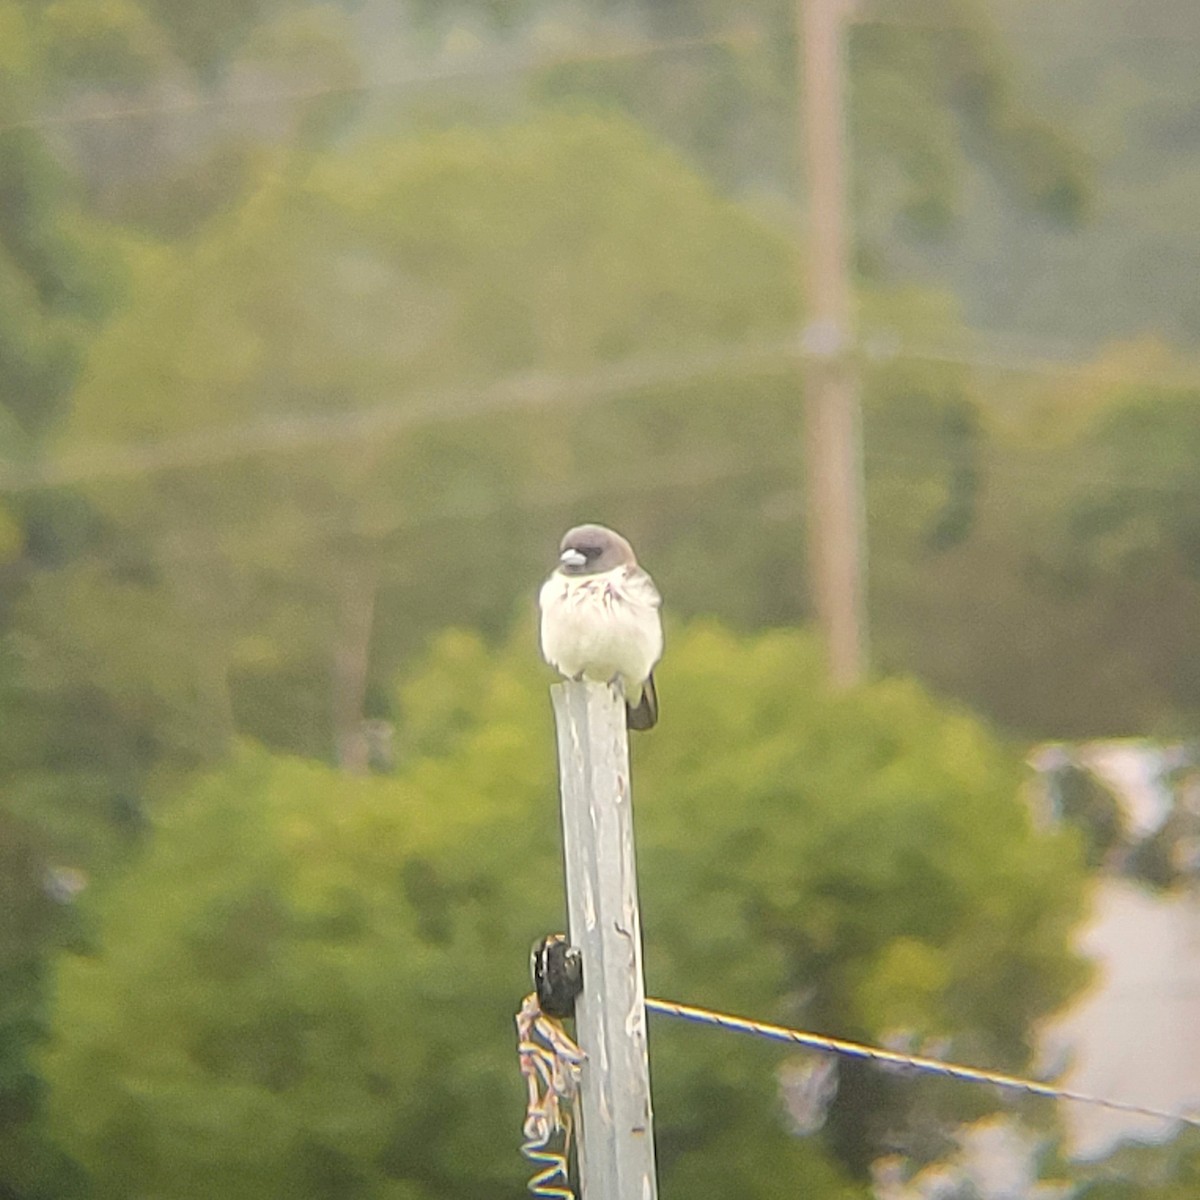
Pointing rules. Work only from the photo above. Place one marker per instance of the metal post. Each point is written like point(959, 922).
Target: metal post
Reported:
point(616, 1143)
point(834, 440)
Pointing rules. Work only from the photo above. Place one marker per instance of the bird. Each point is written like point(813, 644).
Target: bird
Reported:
point(600, 619)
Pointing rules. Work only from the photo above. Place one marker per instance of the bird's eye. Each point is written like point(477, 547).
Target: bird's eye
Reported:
point(590, 552)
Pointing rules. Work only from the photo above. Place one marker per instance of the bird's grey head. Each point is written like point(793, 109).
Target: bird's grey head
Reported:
point(593, 549)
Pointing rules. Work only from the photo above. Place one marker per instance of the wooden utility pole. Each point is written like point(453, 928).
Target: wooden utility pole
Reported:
point(616, 1142)
point(833, 432)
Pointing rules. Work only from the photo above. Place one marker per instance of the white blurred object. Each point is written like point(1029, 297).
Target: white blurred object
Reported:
point(807, 1086)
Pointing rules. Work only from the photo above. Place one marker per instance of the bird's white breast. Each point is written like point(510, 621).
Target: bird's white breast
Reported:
point(601, 626)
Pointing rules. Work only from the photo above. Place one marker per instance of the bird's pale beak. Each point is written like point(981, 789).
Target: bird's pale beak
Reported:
point(571, 558)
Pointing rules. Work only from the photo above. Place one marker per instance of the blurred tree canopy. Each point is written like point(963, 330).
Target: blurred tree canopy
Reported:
point(58, 278)
point(391, 284)
point(1140, 1172)
point(925, 95)
point(338, 275)
point(1125, 80)
point(51, 286)
point(330, 327)
point(1065, 609)
point(305, 987)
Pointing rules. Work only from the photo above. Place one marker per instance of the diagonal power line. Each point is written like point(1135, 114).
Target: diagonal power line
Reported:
point(912, 1062)
point(499, 67)
point(281, 434)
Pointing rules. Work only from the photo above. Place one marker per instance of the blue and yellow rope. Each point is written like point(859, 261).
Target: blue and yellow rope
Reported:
point(551, 1063)
point(932, 1066)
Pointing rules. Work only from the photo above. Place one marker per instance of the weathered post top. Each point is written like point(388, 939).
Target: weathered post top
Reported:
point(616, 1143)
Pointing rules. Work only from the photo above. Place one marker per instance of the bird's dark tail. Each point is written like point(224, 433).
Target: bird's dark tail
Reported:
point(643, 714)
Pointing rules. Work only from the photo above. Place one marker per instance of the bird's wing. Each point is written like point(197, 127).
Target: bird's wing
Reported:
point(643, 714)
point(639, 588)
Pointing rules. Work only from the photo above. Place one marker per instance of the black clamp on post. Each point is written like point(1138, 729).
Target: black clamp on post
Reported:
point(557, 969)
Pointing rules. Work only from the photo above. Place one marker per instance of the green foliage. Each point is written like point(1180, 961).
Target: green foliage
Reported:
point(927, 89)
point(313, 270)
point(564, 240)
point(31, 921)
point(88, 42)
point(395, 279)
point(1141, 1172)
point(53, 264)
point(150, 66)
point(305, 986)
point(316, 989)
point(1127, 530)
point(1127, 88)
point(59, 274)
point(925, 96)
point(1087, 805)
point(1065, 609)
point(924, 446)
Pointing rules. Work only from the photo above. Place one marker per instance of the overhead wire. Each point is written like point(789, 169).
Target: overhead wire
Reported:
point(283, 435)
point(241, 547)
point(280, 434)
point(274, 435)
point(502, 66)
point(669, 475)
point(912, 1062)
